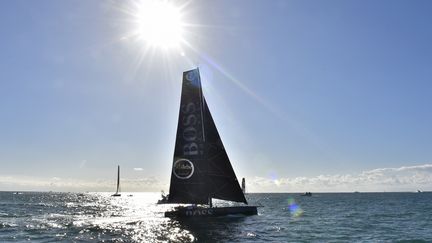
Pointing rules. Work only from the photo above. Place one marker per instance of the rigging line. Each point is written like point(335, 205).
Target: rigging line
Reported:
point(202, 105)
point(202, 125)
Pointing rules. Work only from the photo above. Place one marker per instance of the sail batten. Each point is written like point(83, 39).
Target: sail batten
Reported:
point(201, 167)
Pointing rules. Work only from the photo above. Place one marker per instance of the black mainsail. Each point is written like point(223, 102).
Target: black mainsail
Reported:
point(201, 167)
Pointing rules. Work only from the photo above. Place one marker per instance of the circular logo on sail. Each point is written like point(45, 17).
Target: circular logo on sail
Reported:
point(191, 75)
point(183, 169)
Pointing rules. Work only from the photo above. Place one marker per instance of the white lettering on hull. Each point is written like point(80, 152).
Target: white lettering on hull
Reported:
point(199, 212)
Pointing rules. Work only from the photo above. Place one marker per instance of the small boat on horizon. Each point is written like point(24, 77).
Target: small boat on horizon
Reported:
point(117, 193)
point(164, 198)
point(307, 194)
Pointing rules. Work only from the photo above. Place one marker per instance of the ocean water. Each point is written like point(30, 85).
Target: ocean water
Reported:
point(326, 217)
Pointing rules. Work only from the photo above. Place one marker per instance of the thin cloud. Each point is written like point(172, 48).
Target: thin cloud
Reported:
point(16, 183)
point(405, 178)
point(83, 163)
point(138, 169)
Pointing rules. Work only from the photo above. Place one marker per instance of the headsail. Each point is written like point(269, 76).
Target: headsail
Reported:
point(222, 181)
point(201, 167)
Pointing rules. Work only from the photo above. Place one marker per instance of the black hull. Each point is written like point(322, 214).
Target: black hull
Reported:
point(191, 212)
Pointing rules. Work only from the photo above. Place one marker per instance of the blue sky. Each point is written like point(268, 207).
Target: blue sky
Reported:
point(298, 89)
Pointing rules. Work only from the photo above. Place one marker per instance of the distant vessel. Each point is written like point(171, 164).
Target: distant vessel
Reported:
point(244, 185)
point(201, 168)
point(419, 191)
point(117, 193)
point(307, 194)
point(164, 198)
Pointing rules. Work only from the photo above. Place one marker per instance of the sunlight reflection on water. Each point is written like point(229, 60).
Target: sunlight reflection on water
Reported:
point(137, 218)
point(90, 217)
point(140, 219)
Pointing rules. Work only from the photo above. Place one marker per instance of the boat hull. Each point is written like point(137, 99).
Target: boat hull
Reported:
point(190, 212)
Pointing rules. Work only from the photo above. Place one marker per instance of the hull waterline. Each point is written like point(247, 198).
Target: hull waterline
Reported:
point(190, 212)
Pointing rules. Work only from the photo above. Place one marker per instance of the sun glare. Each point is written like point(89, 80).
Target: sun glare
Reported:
point(159, 24)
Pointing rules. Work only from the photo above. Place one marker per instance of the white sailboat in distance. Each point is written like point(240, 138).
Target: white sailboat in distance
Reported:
point(117, 193)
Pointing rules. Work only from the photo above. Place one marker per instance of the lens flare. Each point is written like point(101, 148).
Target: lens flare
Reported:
point(274, 177)
point(294, 208)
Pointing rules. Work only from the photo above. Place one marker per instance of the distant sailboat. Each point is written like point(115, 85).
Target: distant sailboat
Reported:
point(201, 168)
point(117, 193)
point(244, 185)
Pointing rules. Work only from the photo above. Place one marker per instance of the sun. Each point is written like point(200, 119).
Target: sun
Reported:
point(159, 24)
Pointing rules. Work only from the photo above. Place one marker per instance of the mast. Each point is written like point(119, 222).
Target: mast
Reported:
point(209, 196)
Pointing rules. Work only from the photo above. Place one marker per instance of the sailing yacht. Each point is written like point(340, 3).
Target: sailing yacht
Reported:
point(244, 185)
point(117, 193)
point(201, 169)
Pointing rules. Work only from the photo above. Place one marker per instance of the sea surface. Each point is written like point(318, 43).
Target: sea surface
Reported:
point(325, 217)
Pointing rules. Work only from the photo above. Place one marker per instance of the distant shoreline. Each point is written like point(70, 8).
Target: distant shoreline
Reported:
point(359, 192)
